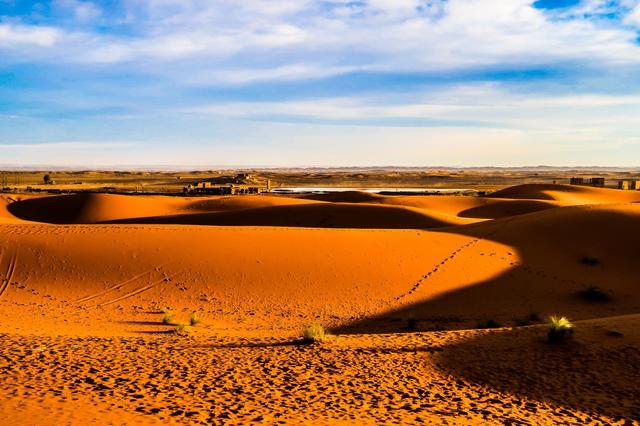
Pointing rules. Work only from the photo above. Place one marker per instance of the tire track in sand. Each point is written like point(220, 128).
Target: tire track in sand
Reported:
point(117, 286)
point(166, 278)
point(11, 269)
point(2, 285)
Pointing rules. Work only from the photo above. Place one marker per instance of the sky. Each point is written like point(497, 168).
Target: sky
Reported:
point(335, 83)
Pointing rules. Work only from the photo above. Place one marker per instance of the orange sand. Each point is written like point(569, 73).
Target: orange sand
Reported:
point(402, 282)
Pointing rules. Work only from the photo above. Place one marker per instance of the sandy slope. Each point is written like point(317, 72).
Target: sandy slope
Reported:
point(7, 217)
point(243, 274)
point(568, 194)
point(81, 307)
point(95, 208)
point(453, 205)
point(343, 215)
point(508, 376)
point(538, 268)
point(473, 207)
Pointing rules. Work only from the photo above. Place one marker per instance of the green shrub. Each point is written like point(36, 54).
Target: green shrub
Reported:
point(560, 329)
point(594, 293)
point(314, 333)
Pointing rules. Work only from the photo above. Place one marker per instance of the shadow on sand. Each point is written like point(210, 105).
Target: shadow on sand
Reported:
point(545, 280)
point(550, 245)
point(591, 378)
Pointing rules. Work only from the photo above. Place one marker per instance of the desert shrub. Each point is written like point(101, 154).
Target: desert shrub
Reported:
point(314, 333)
point(590, 260)
point(167, 318)
point(532, 318)
point(489, 324)
point(594, 293)
point(560, 329)
point(614, 332)
point(182, 329)
point(194, 319)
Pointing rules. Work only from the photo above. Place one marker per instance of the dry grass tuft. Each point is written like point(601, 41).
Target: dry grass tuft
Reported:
point(314, 333)
point(560, 329)
point(182, 329)
point(593, 293)
point(167, 318)
point(614, 332)
point(194, 319)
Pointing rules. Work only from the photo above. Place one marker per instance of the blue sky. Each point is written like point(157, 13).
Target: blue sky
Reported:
point(319, 83)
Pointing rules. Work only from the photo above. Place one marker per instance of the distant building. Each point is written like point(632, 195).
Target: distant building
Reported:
point(576, 181)
point(629, 184)
point(238, 185)
point(595, 181)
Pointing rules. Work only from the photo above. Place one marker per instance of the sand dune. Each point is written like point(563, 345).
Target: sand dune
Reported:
point(543, 270)
point(5, 215)
point(90, 208)
point(345, 197)
point(454, 205)
point(314, 215)
point(503, 269)
point(471, 207)
point(568, 194)
point(95, 208)
point(251, 275)
point(227, 203)
point(81, 302)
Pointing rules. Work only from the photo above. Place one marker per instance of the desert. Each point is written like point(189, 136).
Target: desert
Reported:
point(319, 212)
point(145, 309)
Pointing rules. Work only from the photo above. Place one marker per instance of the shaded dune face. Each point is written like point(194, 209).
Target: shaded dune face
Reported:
point(316, 216)
point(543, 271)
point(89, 208)
point(346, 197)
point(96, 208)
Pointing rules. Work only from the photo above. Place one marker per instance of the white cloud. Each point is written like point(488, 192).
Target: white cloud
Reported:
point(486, 103)
point(290, 72)
point(380, 35)
point(633, 17)
point(81, 10)
point(14, 36)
